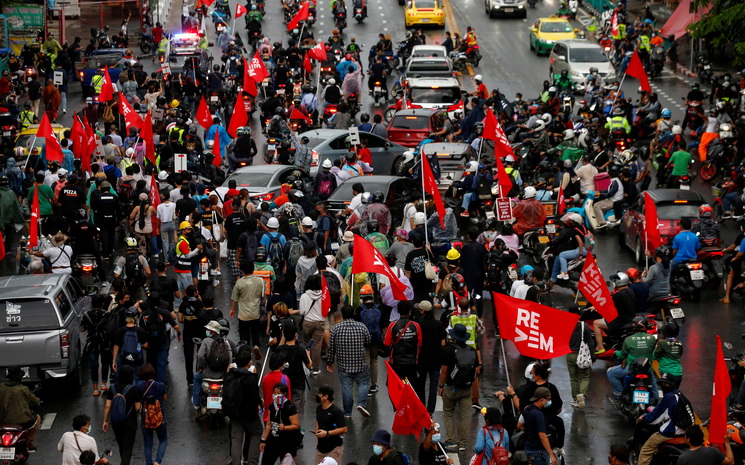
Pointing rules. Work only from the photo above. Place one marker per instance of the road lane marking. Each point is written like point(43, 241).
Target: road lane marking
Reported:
point(455, 456)
point(46, 423)
point(450, 18)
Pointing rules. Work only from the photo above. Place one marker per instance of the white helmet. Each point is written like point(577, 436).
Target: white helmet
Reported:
point(130, 152)
point(210, 144)
point(478, 77)
point(677, 130)
point(332, 82)
point(419, 218)
point(627, 156)
point(540, 125)
point(273, 223)
point(308, 221)
point(529, 192)
point(575, 217)
point(546, 117)
point(569, 134)
point(327, 163)
point(473, 166)
point(529, 370)
point(408, 156)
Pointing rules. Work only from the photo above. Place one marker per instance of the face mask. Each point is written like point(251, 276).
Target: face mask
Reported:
point(436, 437)
point(318, 398)
point(87, 430)
point(279, 399)
point(548, 404)
point(208, 333)
point(377, 450)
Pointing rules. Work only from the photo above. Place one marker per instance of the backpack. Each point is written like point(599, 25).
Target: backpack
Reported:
point(125, 192)
point(483, 188)
point(686, 417)
point(494, 268)
point(119, 411)
point(232, 394)
point(110, 172)
point(131, 348)
point(499, 455)
point(111, 323)
point(379, 241)
point(275, 252)
point(325, 186)
point(294, 252)
point(155, 324)
point(219, 357)
point(135, 275)
point(152, 410)
point(464, 371)
point(371, 318)
point(332, 282)
point(251, 244)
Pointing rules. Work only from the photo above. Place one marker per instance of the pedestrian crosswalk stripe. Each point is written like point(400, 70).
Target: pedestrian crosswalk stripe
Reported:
point(46, 423)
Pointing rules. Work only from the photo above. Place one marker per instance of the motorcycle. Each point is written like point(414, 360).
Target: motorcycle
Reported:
point(535, 241)
point(720, 155)
point(223, 7)
point(340, 20)
point(8, 128)
point(667, 452)
point(328, 111)
point(688, 279)
point(472, 57)
point(378, 92)
point(657, 60)
point(14, 442)
point(85, 269)
point(573, 6)
point(327, 72)
point(359, 15)
point(637, 391)
point(212, 399)
point(703, 69)
point(574, 267)
point(146, 44)
point(353, 101)
point(589, 212)
point(614, 342)
point(667, 306)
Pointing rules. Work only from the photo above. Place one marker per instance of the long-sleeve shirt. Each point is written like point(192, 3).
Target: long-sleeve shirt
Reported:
point(635, 346)
point(347, 346)
point(664, 414)
point(310, 306)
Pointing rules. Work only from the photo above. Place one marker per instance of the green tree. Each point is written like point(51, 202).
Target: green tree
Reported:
point(722, 26)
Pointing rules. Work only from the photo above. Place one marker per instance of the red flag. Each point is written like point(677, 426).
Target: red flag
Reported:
point(614, 24)
point(297, 114)
point(592, 286)
point(651, 224)
point(302, 15)
point(208, 3)
point(203, 116)
point(131, 117)
point(636, 69)
point(240, 10)
point(239, 118)
point(155, 201)
point(78, 137)
point(217, 161)
point(146, 135)
point(411, 415)
point(430, 185)
point(504, 181)
point(721, 391)
point(318, 52)
point(33, 234)
point(369, 259)
point(561, 204)
point(107, 87)
point(255, 69)
point(395, 385)
point(538, 331)
point(90, 145)
point(493, 131)
point(53, 149)
point(307, 65)
point(325, 297)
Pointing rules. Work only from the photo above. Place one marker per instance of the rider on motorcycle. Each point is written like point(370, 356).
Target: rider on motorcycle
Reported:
point(665, 415)
point(203, 368)
point(624, 300)
point(470, 40)
point(529, 213)
point(563, 82)
point(707, 228)
point(243, 148)
point(639, 344)
point(19, 405)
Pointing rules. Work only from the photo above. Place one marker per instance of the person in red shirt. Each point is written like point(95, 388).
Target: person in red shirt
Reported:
point(276, 365)
point(364, 153)
point(283, 197)
point(481, 92)
point(4, 84)
point(157, 34)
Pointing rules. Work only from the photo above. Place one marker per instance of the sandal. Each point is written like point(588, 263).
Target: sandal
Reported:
point(96, 393)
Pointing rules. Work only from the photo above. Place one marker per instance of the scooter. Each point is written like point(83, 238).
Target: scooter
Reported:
point(519, 457)
point(85, 269)
point(592, 221)
point(688, 279)
point(14, 442)
point(359, 15)
point(667, 452)
point(212, 400)
point(378, 92)
point(637, 391)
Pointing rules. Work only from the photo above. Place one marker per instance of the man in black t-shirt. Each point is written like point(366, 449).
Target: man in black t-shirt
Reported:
point(154, 320)
point(188, 315)
point(533, 421)
point(295, 357)
point(330, 426)
point(235, 225)
point(71, 197)
point(245, 425)
point(415, 269)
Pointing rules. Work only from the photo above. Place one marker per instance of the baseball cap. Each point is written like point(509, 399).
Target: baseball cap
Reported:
point(540, 393)
point(61, 172)
point(424, 305)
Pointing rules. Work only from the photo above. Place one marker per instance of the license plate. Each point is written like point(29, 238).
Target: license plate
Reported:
point(509, 10)
point(280, 91)
point(697, 275)
point(214, 98)
point(551, 228)
point(7, 453)
point(425, 20)
point(543, 239)
point(29, 79)
point(25, 372)
point(707, 67)
point(214, 402)
point(6, 133)
point(641, 397)
point(677, 313)
point(310, 18)
point(378, 89)
point(685, 187)
point(490, 214)
point(271, 147)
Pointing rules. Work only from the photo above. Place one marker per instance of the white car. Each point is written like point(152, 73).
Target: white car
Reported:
point(577, 56)
point(496, 8)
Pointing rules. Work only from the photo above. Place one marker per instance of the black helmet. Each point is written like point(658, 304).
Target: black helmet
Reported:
point(261, 254)
point(364, 117)
point(564, 73)
point(306, 88)
point(350, 157)
point(378, 197)
point(224, 324)
point(670, 329)
point(639, 323)
point(373, 226)
point(27, 106)
point(4, 181)
point(663, 251)
point(279, 111)
point(193, 131)
point(666, 382)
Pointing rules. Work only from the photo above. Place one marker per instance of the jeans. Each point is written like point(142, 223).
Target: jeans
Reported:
point(106, 357)
point(457, 428)
point(371, 356)
point(730, 200)
point(250, 331)
point(63, 106)
point(249, 432)
point(433, 374)
point(347, 380)
point(147, 439)
point(154, 244)
point(183, 280)
point(158, 358)
point(196, 391)
point(168, 235)
point(538, 457)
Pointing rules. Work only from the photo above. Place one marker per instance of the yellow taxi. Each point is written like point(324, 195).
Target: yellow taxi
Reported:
point(424, 13)
point(27, 135)
point(546, 31)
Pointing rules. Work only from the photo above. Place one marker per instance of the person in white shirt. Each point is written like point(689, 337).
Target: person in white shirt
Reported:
point(586, 174)
point(357, 189)
point(73, 443)
point(410, 210)
point(59, 256)
point(165, 214)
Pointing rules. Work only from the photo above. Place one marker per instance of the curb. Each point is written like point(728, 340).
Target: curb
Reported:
point(684, 71)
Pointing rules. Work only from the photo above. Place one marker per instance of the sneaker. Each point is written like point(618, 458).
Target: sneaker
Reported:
point(257, 353)
point(315, 372)
point(363, 411)
point(64, 112)
point(562, 276)
point(574, 404)
point(461, 448)
point(449, 446)
point(373, 389)
point(347, 416)
point(601, 226)
point(614, 400)
point(476, 406)
point(602, 351)
point(581, 400)
point(96, 393)
point(31, 447)
point(104, 387)
point(215, 282)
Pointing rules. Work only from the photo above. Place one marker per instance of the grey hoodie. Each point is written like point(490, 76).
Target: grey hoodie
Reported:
point(305, 267)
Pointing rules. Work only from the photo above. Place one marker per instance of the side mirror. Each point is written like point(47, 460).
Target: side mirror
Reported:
point(534, 29)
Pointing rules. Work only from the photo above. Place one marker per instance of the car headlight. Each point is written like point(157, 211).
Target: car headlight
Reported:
point(546, 41)
point(520, 7)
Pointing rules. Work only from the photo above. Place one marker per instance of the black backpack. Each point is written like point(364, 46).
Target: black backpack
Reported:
point(483, 188)
point(219, 356)
point(686, 417)
point(134, 272)
point(125, 192)
point(155, 324)
point(232, 393)
point(112, 322)
point(250, 243)
point(275, 253)
point(464, 370)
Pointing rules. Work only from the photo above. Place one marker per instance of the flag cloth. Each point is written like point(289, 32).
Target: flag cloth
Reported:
point(78, 137)
point(131, 118)
point(493, 131)
point(430, 186)
point(368, 259)
point(107, 87)
point(155, 201)
point(297, 114)
point(411, 415)
point(636, 69)
point(561, 204)
point(302, 15)
point(592, 286)
point(538, 331)
point(395, 385)
point(217, 161)
point(33, 234)
point(239, 118)
point(721, 391)
point(208, 3)
point(240, 10)
point(318, 52)
point(203, 116)
point(255, 69)
point(146, 135)
point(614, 24)
point(53, 149)
point(651, 224)
point(307, 65)
point(504, 180)
point(325, 297)
point(90, 145)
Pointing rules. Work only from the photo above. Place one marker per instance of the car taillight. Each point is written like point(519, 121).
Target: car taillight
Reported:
point(315, 157)
point(64, 344)
point(7, 439)
point(267, 197)
point(214, 387)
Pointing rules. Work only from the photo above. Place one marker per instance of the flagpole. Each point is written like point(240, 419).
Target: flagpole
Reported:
point(506, 370)
point(646, 247)
point(618, 92)
point(29, 152)
point(424, 195)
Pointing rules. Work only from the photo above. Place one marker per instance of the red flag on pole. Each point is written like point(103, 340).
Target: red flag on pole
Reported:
point(504, 181)
point(368, 259)
point(318, 52)
point(297, 114)
point(204, 117)
point(155, 201)
point(592, 286)
point(493, 131)
point(52, 147)
point(33, 234)
point(430, 186)
point(561, 204)
point(146, 135)
point(77, 134)
point(302, 15)
point(636, 69)
point(721, 391)
point(208, 3)
point(325, 297)
point(538, 331)
point(255, 69)
point(217, 161)
point(240, 10)
point(239, 118)
point(651, 224)
point(131, 118)
point(307, 65)
point(90, 145)
point(614, 24)
point(411, 415)
point(395, 385)
point(107, 87)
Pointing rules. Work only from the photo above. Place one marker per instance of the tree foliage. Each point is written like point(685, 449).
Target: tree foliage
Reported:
point(722, 26)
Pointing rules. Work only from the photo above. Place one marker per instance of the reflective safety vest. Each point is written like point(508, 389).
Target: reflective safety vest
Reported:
point(617, 123)
point(593, 26)
point(204, 43)
point(470, 321)
point(621, 32)
point(471, 39)
point(644, 42)
point(512, 172)
point(180, 133)
point(182, 263)
point(163, 45)
point(97, 82)
point(27, 118)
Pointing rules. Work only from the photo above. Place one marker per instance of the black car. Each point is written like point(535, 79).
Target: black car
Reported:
point(397, 192)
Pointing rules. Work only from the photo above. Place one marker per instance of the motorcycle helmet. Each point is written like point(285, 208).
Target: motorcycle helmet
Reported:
point(279, 111)
point(529, 193)
point(564, 73)
point(457, 281)
point(569, 134)
point(373, 226)
point(526, 269)
point(593, 70)
point(666, 113)
point(131, 312)
point(677, 130)
point(261, 254)
point(366, 198)
point(499, 244)
point(670, 329)
point(633, 273)
point(627, 156)
point(240, 131)
point(529, 371)
point(666, 383)
point(350, 157)
point(332, 82)
point(705, 211)
point(663, 251)
point(4, 181)
point(224, 326)
point(364, 118)
point(620, 279)
point(131, 243)
point(552, 90)
point(210, 144)
point(19, 151)
point(453, 254)
point(348, 57)
point(378, 197)
point(618, 111)
point(639, 323)
point(478, 78)
point(736, 435)
point(366, 292)
point(419, 218)
point(547, 118)
point(193, 131)
point(27, 106)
